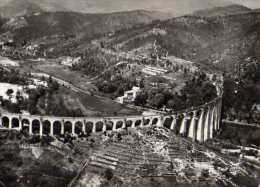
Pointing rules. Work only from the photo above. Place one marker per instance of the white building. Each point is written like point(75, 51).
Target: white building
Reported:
point(6, 62)
point(69, 61)
point(129, 96)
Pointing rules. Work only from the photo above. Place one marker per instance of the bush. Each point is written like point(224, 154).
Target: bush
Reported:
point(8, 156)
point(109, 174)
point(70, 160)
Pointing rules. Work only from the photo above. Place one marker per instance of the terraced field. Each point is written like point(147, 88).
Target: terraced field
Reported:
point(136, 160)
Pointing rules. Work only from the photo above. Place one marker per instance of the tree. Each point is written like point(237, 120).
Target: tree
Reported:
point(175, 103)
point(141, 83)
point(158, 101)
point(109, 174)
point(171, 104)
point(9, 93)
point(208, 91)
point(256, 138)
point(141, 99)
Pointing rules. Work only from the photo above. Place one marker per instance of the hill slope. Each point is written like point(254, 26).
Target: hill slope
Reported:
point(78, 24)
point(19, 8)
point(222, 11)
point(219, 40)
point(176, 7)
point(214, 40)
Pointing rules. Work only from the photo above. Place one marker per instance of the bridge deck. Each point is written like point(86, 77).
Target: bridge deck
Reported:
point(240, 124)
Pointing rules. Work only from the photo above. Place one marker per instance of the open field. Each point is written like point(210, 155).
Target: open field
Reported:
point(95, 106)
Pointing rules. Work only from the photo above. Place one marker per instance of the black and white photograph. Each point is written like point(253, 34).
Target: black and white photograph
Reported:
point(129, 93)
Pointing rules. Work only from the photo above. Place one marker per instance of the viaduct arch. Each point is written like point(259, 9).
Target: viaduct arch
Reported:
point(199, 124)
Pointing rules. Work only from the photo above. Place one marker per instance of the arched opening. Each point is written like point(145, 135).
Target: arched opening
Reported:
point(99, 126)
point(5, 122)
point(15, 123)
point(46, 127)
point(78, 127)
point(129, 123)
point(155, 121)
point(109, 126)
point(67, 127)
point(25, 125)
point(89, 127)
point(138, 123)
point(36, 126)
point(57, 128)
point(147, 122)
point(168, 122)
point(188, 119)
point(119, 125)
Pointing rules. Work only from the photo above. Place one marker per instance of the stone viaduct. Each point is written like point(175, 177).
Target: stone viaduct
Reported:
point(199, 124)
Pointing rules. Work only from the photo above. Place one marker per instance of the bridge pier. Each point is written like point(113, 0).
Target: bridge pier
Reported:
point(133, 124)
point(207, 126)
point(163, 121)
point(73, 128)
point(104, 125)
point(62, 127)
point(142, 122)
point(124, 123)
point(51, 128)
point(216, 119)
point(114, 126)
point(192, 129)
point(211, 129)
point(184, 125)
point(20, 123)
point(30, 127)
point(84, 126)
point(41, 127)
point(174, 122)
point(94, 128)
point(10, 124)
point(200, 132)
point(219, 113)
